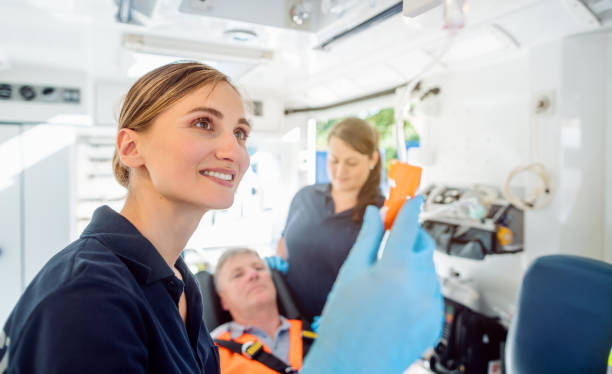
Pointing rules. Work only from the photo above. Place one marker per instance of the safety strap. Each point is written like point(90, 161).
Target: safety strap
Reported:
point(254, 351)
point(308, 337)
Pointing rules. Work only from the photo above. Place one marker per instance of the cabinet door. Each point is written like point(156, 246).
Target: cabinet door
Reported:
point(11, 219)
point(47, 193)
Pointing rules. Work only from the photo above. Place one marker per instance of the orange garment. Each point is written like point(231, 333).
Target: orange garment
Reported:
point(234, 363)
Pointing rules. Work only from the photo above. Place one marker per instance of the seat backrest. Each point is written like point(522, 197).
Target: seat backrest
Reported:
point(563, 322)
point(214, 315)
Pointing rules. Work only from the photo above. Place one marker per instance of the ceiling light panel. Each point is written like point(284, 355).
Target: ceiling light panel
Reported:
point(193, 49)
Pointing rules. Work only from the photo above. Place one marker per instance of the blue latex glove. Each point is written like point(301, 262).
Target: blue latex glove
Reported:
point(381, 316)
point(316, 321)
point(277, 263)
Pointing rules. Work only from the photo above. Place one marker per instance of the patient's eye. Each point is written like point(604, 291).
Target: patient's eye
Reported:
point(237, 274)
point(259, 267)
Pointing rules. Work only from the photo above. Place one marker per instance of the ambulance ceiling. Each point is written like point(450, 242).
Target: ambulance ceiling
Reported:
point(273, 46)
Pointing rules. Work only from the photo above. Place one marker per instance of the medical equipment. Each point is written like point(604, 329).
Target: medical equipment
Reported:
point(471, 343)
point(543, 192)
point(404, 178)
point(471, 222)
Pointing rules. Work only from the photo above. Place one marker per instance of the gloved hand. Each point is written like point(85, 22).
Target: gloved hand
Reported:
point(316, 321)
point(277, 263)
point(381, 316)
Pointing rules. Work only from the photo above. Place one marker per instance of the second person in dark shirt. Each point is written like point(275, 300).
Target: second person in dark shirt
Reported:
point(324, 219)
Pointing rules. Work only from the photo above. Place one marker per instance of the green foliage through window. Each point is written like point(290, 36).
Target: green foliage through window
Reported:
point(383, 121)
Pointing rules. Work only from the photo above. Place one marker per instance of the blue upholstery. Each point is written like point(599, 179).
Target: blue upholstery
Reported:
point(564, 318)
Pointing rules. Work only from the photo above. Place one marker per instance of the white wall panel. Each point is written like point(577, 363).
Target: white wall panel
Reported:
point(10, 220)
point(47, 193)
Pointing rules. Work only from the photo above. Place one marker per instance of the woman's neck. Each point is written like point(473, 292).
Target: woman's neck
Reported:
point(265, 318)
point(344, 200)
point(166, 224)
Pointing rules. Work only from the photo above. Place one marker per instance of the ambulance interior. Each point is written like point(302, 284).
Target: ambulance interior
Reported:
point(506, 105)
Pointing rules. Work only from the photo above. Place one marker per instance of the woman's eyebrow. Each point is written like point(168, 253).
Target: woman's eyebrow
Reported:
point(244, 122)
point(217, 114)
point(212, 111)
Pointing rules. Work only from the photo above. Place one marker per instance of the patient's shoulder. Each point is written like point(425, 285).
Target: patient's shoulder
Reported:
point(220, 330)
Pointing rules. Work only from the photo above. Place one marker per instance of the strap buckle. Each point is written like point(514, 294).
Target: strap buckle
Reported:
point(251, 349)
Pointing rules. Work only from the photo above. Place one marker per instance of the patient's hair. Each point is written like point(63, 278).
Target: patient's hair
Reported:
point(155, 92)
point(230, 253)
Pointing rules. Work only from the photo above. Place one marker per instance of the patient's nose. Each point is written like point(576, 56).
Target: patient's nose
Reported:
point(252, 274)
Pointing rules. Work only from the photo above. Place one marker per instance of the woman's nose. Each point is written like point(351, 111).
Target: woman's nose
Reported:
point(227, 148)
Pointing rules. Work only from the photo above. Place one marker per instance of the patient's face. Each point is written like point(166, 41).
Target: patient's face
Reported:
point(245, 283)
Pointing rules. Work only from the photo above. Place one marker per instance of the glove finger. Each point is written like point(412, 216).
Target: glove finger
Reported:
point(364, 251)
point(402, 243)
point(283, 265)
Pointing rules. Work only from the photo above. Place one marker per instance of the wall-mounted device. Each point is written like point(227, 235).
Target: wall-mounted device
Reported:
point(34, 93)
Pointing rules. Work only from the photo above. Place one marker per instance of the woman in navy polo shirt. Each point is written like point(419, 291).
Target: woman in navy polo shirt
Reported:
point(324, 219)
point(120, 299)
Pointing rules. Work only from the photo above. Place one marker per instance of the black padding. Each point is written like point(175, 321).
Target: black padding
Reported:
point(214, 315)
point(287, 306)
point(212, 312)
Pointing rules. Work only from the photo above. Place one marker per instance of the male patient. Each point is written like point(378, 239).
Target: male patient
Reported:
point(244, 284)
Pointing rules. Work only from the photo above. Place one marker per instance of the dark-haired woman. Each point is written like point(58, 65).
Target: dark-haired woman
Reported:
point(324, 219)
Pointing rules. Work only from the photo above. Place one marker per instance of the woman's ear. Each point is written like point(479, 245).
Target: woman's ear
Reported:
point(127, 148)
point(375, 157)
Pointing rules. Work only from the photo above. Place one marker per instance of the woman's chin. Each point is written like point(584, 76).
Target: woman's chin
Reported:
point(220, 204)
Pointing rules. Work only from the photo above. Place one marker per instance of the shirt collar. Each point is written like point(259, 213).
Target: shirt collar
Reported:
point(236, 330)
point(324, 188)
point(123, 239)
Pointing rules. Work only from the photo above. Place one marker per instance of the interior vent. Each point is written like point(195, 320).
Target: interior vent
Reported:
point(33, 93)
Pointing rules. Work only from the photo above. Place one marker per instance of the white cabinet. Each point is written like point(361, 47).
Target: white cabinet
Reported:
point(47, 192)
point(11, 234)
point(35, 201)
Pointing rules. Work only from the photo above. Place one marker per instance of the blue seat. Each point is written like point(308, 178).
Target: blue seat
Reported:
point(563, 322)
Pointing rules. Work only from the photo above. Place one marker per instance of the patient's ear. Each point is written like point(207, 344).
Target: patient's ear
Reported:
point(127, 148)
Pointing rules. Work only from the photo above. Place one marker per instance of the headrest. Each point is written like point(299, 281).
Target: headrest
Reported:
point(214, 315)
point(212, 312)
point(563, 322)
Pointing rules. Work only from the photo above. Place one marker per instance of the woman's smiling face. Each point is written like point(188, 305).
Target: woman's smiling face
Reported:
point(195, 151)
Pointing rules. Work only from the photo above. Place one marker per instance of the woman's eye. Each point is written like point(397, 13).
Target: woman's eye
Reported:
point(241, 134)
point(203, 123)
point(237, 275)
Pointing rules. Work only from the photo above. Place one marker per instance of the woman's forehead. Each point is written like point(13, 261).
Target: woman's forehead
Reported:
point(338, 147)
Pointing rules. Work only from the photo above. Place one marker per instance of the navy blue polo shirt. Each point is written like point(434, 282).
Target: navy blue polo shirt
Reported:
point(318, 241)
point(108, 303)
